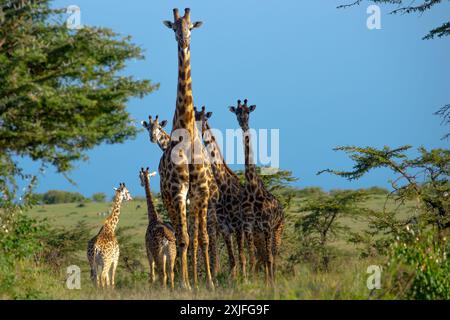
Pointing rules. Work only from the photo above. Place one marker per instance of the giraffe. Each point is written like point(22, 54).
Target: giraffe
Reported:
point(184, 170)
point(103, 249)
point(160, 241)
point(258, 201)
point(156, 132)
point(159, 136)
point(229, 214)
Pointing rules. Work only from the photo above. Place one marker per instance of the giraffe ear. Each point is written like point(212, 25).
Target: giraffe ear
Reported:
point(163, 123)
point(252, 108)
point(196, 24)
point(144, 124)
point(114, 188)
point(232, 109)
point(208, 114)
point(168, 24)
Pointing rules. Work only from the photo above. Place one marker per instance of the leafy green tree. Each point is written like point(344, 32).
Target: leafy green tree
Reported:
point(99, 197)
point(424, 179)
point(408, 7)
point(62, 91)
point(444, 113)
point(321, 222)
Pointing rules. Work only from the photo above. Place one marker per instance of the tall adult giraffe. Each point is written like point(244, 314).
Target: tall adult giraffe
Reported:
point(183, 169)
point(230, 217)
point(159, 136)
point(258, 201)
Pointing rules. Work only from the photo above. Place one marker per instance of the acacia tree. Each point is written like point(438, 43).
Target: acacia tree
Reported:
point(424, 179)
point(321, 222)
point(408, 7)
point(62, 91)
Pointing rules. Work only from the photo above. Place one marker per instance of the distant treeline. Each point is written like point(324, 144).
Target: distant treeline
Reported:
point(59, 196)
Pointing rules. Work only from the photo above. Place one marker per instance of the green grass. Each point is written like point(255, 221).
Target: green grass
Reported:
point(346, 278)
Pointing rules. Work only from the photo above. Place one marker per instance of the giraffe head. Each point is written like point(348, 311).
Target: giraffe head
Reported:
point(145, 175)
point(123, 192)
point(242, 112)
point(202, 117)
point(154, 127)
point(182, 27)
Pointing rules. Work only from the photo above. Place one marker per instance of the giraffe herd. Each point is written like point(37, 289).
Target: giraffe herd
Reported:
point(195, 180)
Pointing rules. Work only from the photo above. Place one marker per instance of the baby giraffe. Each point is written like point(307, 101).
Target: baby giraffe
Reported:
point(103, 249)
point(160, 240)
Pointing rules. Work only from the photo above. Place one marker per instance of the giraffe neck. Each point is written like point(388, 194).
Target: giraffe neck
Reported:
point(151, 211)
point(219, 166)
point(184, 113)
point(163, 140)
point(251, 176)
point(113, 219)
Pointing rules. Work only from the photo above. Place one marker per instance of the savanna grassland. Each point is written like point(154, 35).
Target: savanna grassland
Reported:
point(345, 277)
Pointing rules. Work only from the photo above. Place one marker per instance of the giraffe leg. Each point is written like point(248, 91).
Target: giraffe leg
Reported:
point(151, 264)
point(182, 238)
point(93, 266)
point(251, 249)
point(105, 273)
point(203, 211)
point(163, 271)
point(212, 232)
point(276, 246)
point(231, 256)
point(172, 259)
point(114, 267)
point(240, 245)
point(268, 257)
point(195, 250)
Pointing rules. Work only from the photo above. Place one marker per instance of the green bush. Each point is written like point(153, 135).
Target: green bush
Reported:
point(58, 196)
point(377, 191)
point(99, 197)
point(419, 266)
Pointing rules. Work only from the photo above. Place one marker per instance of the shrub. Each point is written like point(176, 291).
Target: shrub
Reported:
point(99, 197)
point(58, 196)
point(418, 265)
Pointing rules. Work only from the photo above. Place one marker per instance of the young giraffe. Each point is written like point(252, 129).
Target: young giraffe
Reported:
point(103, 249)
point(159, 136)
point(229, 214)
point(183, 169)
point(267, 212)
point(160, 241)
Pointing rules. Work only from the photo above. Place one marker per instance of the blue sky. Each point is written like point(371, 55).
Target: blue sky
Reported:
point(316, 73)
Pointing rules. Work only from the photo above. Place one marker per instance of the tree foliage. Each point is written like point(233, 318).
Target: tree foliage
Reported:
point(444, 113)
point(408, 7)
point(62, 91)
point(321, 222)
point(424, 178)
point(99, 197)
point(58, 196)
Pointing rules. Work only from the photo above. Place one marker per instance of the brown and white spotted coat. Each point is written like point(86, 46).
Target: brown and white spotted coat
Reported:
point(188, 176)
point(160, 241)
point(230, 217)
point(258, 202)
point(103, 250)
point(159, 136)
